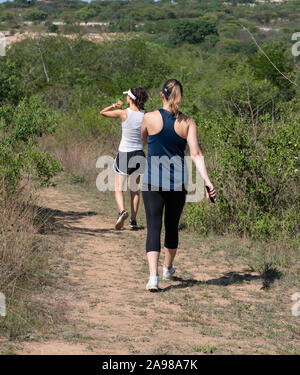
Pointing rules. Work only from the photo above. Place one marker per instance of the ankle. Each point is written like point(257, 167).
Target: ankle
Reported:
point(154, 278)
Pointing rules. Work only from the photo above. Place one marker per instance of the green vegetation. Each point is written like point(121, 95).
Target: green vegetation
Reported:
point(246, 106)
point(22, 122)
point(247, 111)
point(192, 32)
point(35, 15)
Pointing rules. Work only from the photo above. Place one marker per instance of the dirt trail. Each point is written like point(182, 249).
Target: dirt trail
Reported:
point(107, 309)
point(108, 293)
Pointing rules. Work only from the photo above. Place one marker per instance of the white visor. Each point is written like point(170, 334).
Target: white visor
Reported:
point(130, 94)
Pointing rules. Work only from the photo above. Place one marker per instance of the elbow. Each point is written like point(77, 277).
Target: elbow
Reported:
point(196, 154)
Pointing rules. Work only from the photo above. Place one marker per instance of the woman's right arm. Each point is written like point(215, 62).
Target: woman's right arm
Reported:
point(110, 112)
point(196, 154)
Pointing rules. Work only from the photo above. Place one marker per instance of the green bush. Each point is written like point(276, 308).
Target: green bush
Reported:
point(52, 28)
point(10, 83)
point(192, 32)
point(256, 174)
point(283, 60)
point(35, 15)
point(80, 72)
point(85, 13)
point(20, 126)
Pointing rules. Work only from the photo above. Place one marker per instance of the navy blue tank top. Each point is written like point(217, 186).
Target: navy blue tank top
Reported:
point(166, 167)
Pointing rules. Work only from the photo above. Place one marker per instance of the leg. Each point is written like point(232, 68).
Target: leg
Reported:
point(169, 257)
point(134, 181)
point(153, 257)
point(175, 201)
point(120, 181)
point(154, 204)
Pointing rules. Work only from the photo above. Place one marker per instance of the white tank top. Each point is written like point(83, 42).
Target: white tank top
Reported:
point(132, 131)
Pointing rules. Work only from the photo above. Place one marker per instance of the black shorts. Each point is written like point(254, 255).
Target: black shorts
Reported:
point(127, 163)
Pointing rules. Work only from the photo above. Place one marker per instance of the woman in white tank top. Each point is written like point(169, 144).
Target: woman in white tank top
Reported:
point(130, 159)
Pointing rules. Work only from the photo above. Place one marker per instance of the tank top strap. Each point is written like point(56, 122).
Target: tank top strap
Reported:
point(168, 121)
point(129, 111)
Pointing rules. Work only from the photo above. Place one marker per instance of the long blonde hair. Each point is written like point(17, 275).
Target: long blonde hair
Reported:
point(173, 92)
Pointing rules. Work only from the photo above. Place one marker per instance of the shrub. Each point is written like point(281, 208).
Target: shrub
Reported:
point(10, 84)
point(262, 69)
point(35, 15)
point(82, 70)
point(85, 13)
point(21, 126)
point(191, 32)
point(52, 28)
point(256, 173)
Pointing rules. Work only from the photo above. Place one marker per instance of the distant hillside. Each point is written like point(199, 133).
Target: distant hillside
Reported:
point(220, 22)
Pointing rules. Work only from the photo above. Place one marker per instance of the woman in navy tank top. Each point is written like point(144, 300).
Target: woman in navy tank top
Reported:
point(167, 131)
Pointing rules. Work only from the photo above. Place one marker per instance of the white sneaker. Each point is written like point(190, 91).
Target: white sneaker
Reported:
point(168, 273)
point(152, 284)
point(123, 215)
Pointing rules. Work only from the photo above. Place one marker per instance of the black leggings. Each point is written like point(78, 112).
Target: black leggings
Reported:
point(154, 202)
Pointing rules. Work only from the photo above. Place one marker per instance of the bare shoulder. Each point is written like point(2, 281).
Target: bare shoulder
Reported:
point(151, 118)
point(185, 121)
point(191, 122)
point(151, 115)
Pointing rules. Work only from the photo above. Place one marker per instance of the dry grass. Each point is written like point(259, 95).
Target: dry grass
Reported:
point(18, 228)
point(24, 265)
point(78, 157)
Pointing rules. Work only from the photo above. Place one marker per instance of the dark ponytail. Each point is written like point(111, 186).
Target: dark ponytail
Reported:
point(141, 96)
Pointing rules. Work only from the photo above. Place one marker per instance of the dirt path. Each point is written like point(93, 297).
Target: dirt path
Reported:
point(108, 304)
point(108, 311)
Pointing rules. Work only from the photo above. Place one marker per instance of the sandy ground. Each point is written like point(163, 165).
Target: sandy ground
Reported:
point(107, 309)
point(108, 290)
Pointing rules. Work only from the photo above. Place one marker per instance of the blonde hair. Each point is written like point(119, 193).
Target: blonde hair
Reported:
point(173, 93)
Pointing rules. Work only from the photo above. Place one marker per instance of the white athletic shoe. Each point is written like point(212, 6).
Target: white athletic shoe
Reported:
point(121, 218)
point(152, 284)
point(168, 273)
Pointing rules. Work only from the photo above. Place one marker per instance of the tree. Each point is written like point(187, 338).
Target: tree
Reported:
point(35, 15)
point(86, 13)
point(192, 32)
point(265, 70)
point(10, 86)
